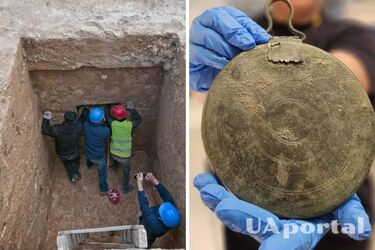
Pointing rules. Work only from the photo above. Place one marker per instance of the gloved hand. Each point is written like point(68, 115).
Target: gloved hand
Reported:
point(140, 178)
point(82, 108)
point(47, 115)
point(234, 213)
point(151, 178)
point(130, 105)
point(217, 36)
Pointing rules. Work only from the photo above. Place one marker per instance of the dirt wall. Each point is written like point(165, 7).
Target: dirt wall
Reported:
point(155, 82)
point(64, 90)
point(64, 35)
point(24, 171)
point(102, 52)
point(169, 157)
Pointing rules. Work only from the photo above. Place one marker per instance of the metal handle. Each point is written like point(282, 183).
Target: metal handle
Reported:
point(298, 33)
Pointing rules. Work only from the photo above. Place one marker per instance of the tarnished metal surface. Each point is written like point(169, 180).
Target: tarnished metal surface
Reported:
point(279, 51)
point(296, 138)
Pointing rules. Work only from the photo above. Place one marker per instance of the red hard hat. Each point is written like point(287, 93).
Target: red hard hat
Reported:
point(114, 195)
point(118, 112)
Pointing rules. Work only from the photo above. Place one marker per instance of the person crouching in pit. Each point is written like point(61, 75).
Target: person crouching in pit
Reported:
point(157, 220)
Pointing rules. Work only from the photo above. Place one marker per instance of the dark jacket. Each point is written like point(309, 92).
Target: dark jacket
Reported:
point(66, 136)
point(96, 135)
point(150, 215)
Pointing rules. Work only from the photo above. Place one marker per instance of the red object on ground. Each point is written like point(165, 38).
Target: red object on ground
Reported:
point(118, 112)
point(114, 195)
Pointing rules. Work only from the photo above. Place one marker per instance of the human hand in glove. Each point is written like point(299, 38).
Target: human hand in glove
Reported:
point(286, 234)
point(130, 105)
point(151, 178)
point(140, 179)
point(217, 36)
point(47, 115)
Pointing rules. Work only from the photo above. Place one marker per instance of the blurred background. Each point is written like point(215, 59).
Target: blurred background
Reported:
point(206, 232)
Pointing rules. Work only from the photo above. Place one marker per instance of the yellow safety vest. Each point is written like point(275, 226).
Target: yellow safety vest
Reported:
point(121, 141)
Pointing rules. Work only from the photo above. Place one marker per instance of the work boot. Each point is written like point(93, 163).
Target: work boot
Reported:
point(104, 193)
point(89, 164)
point(129, 189)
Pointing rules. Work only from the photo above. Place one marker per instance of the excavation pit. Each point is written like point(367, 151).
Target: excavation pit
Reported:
point(59, 75)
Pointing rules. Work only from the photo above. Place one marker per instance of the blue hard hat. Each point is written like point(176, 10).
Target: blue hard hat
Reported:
point(96, 115)
point(169, 215)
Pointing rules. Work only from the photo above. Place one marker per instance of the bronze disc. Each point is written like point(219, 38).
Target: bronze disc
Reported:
point(295, 137)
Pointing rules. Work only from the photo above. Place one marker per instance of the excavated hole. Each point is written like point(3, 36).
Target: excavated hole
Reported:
point(64, 74)
point(62, 90)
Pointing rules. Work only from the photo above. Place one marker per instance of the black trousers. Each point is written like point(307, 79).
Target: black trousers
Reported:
point(72, 167)
point(124, 164)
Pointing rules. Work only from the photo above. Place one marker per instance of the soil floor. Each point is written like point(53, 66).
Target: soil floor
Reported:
point(77, 206)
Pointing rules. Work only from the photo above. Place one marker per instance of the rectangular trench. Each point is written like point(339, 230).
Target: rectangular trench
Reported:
point(91, 71)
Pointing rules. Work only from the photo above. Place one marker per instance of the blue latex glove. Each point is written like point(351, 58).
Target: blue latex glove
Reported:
point(217, 36)
point(234, 213)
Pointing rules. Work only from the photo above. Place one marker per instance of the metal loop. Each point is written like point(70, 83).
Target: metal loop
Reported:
point(294, 31)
